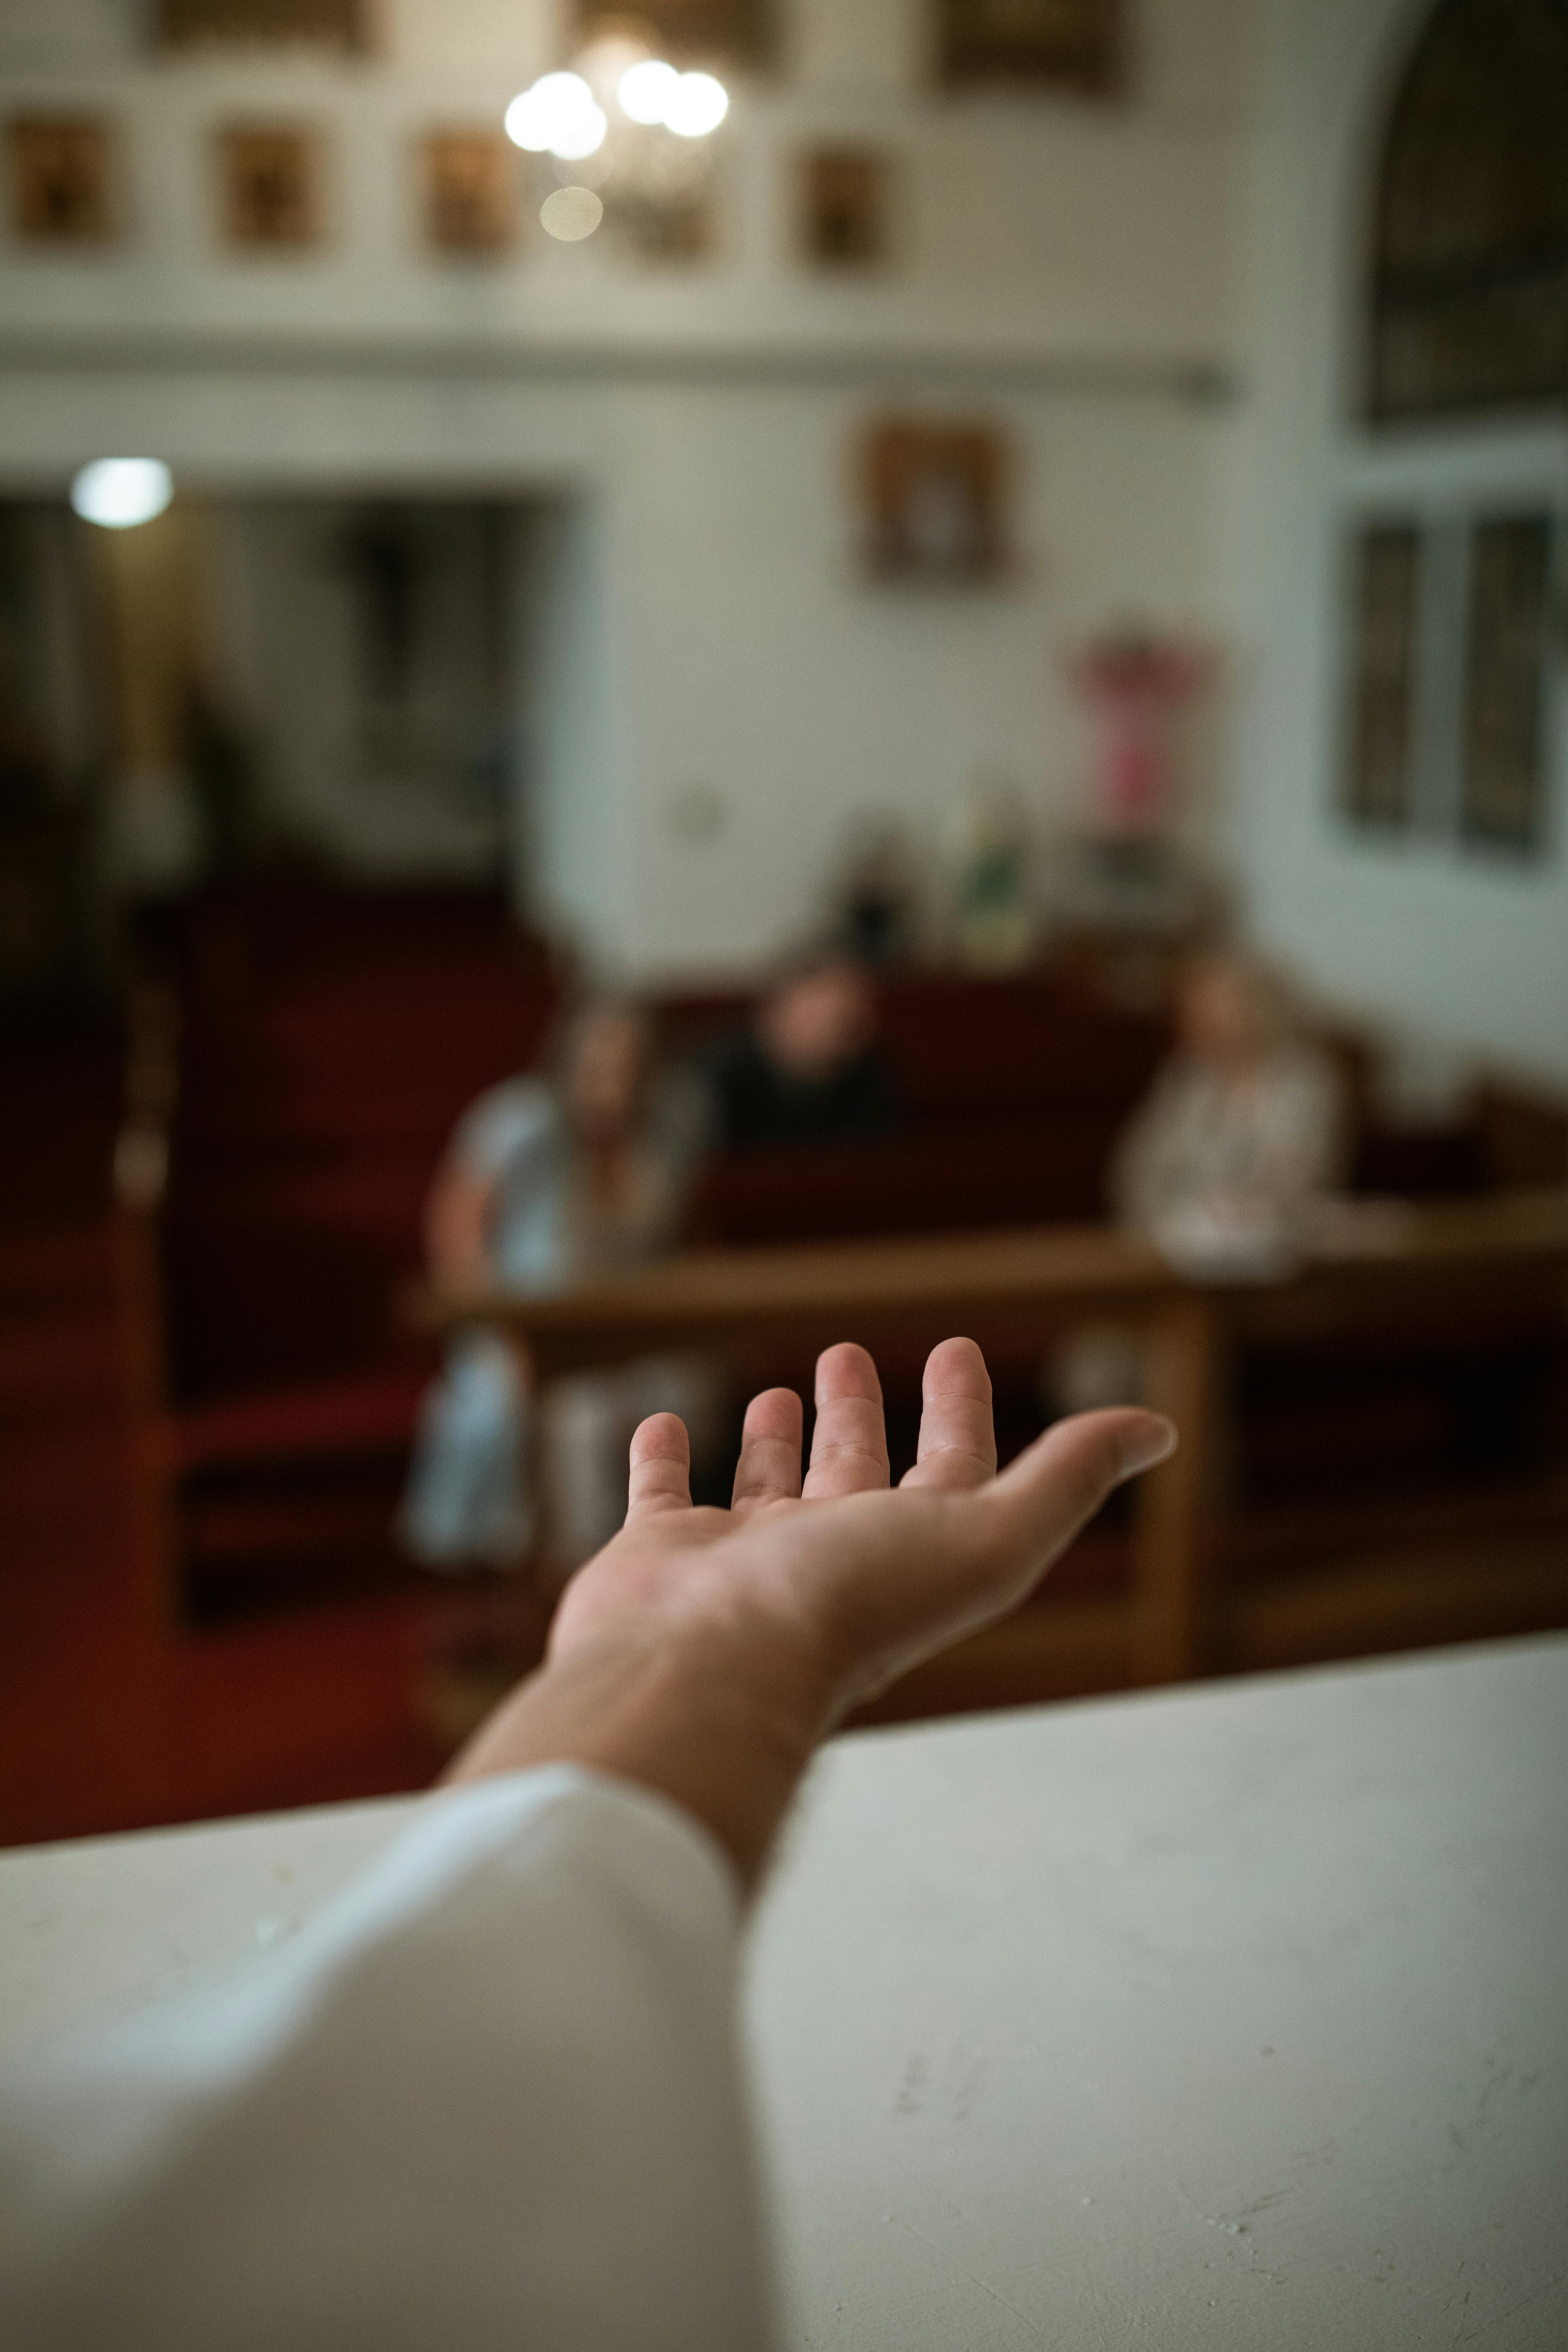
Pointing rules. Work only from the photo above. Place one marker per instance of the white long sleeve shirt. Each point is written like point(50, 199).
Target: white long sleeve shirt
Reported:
point(491, 2096)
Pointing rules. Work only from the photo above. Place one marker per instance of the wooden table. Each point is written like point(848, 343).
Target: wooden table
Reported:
point(1206, 2019)
point(1473, 1259)
point(995, 1287)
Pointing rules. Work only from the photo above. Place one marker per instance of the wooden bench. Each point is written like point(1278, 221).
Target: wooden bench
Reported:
point(301, 1055)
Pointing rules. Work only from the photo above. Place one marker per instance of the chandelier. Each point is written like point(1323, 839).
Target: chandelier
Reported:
point(629, 136)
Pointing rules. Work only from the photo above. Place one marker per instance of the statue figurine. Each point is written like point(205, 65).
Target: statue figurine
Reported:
point(1135, 684)
point(995, 920)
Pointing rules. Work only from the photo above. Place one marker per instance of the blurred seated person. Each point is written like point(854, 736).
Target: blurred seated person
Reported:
point(550, 1180)
point(1243, 1134)
point(808, 1069)
point(1238, 1144)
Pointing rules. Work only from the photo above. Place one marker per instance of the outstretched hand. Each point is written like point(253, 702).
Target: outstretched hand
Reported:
point(705, 1652)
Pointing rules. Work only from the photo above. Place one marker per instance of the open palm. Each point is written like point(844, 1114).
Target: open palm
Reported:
point(874, 1577)
point(703, 1653)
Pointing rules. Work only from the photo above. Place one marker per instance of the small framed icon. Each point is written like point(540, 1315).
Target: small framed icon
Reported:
point(270, 181)
point(1072, 45)
point(62, 186)
point(936, 501)
point(845, 211)
point(337, 28)
point(468, 192)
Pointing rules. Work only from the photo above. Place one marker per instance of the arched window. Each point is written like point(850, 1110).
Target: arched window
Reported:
point(1470, 239)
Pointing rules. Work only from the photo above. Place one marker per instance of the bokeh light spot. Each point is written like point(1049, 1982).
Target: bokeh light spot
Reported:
point(570, 213)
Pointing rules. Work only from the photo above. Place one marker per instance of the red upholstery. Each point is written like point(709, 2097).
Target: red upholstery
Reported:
point(329, 1042)
point(1014, 1092)
point(372, 1416)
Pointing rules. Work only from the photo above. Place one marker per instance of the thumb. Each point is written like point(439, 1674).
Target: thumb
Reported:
point(903, 1601)
point(1056, 1485)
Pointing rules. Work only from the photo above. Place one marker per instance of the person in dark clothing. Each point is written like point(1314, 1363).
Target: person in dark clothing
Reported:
point(808, 1069)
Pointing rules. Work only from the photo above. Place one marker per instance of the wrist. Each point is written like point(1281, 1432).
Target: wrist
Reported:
point(719, 1711)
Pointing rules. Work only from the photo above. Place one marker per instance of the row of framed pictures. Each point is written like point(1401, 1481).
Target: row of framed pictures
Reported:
point(1453, 675)
point(1067, 44)
point(272, 180)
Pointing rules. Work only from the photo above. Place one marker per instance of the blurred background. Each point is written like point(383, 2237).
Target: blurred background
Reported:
point(965, 554)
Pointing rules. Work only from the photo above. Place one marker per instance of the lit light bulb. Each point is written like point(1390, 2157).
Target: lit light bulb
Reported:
point(559, 114)
point(697, 105)
point(581, 138)
point(525, 125)
point(120, 492)
point(644, 89)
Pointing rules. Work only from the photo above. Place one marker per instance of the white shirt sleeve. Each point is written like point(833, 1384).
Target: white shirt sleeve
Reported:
point(491, 2096)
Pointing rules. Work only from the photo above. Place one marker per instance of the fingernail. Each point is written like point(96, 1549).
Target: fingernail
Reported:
point(1154, 1440)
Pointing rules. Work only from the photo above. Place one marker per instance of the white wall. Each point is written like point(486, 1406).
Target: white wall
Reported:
point(806, 697)
point(1065, 269)
point(711, 625)
point(1469, 947)
point(1039, 225)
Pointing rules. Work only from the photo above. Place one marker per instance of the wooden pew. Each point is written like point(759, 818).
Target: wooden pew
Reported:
point(300, 1056)
point(1208, 1590)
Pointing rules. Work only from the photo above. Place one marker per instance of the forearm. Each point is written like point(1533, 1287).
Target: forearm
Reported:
point(458, 1228)
point(721, 1719)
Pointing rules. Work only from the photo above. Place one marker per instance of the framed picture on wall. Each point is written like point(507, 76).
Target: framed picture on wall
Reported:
point(721, 32)
point(1385, 571)
point(61, 179)
point(1503, 766)
point(845, 208)
point(936, 501)
point(270, 182)
point(340, 27)
point(1062, 45)
point(468, 187)
point(674, 225)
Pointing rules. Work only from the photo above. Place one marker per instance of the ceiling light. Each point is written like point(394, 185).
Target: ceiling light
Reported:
point(697, 105)
point(583, 137)
point(644, 89)
point(119, 492)
point(559, 114)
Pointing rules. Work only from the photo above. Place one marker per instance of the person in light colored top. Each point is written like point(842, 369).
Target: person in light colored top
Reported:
point(551, 1179)
point(1238, 1142)
point(492, 2097)
point(1243, 1133)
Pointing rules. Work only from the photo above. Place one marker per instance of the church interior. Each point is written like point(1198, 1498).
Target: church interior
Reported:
point(939, 578)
